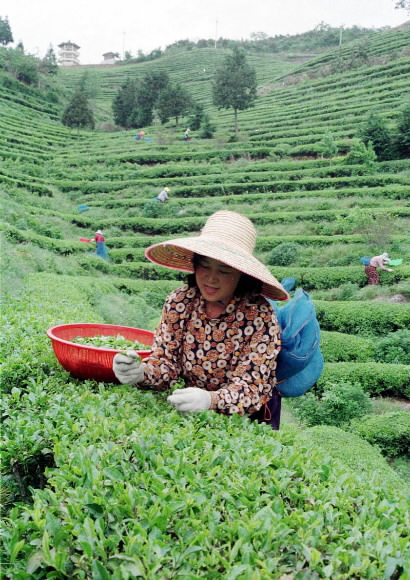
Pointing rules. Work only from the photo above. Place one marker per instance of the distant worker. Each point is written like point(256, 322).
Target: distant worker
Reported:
point(163, 195)
point(100, 249)
point(139, 136)
point(377, 262)
point(186, 135)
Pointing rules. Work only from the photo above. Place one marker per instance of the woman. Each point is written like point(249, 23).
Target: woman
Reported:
point(218, 332)
point(100, 249)
point(163, 195)
point(377, 262)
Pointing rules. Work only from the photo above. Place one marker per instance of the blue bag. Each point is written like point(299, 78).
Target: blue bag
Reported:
point(365, 261)
point(302, 381)
point(300, 362)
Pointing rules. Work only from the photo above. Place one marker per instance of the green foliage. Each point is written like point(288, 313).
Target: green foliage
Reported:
point(362, 154)
point(376, 132)
point(390, 432)
point(352, 451)
point(148, 91)
point(375, 378)
point(329, 146)
point(196, 118)
point(403, 133)
point(337, 405)
point(49, 64)
point(6, 35)
point(78, 113)
point(394, 348)
point(283, 254)
point(207, 128)
point(23, 67)
point(374, 318)
point(154, 475)
point(340, 347)
point(124, 104)
point(234, 85)
point(173, 101)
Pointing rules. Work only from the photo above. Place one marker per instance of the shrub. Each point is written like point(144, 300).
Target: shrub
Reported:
point(375, 378)
point(283, 254)
point(350, 450)
point(394, 348)
point(390, 432)
point(338, 404)
point(337, 346)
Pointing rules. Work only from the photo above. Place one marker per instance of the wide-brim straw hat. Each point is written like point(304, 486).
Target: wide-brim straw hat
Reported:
point(228, 237)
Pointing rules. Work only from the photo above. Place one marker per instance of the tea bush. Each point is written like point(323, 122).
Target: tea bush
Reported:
point(375, 378)
point(394, 348)
point(337, 404)
point(389, 431)
point(283, 254)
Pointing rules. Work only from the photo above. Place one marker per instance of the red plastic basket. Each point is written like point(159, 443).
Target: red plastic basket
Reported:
point(89, 362)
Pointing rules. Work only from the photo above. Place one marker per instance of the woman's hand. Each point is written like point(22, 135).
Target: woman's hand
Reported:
point(190, 399)
point(128, 368)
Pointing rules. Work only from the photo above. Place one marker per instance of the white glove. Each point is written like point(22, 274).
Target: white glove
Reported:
point(128, 368)
point(190, 399)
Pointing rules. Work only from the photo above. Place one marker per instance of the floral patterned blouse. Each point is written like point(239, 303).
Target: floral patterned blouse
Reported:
point(232, 356)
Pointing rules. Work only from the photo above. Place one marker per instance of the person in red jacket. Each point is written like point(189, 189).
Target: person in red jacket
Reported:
point(101, 249)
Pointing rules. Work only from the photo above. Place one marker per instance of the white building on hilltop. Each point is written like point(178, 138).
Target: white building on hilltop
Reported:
point(110, 57)
point(68, 54)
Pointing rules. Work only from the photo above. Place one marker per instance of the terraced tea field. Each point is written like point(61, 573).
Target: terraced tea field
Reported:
point(130, 484)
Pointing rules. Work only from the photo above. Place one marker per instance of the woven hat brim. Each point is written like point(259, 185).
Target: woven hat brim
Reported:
point(177, 255)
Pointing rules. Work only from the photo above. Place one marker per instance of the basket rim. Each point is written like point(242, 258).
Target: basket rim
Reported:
point(53, 337)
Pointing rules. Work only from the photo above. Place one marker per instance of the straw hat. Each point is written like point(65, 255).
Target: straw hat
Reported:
point(166, 189)
point(228, 237)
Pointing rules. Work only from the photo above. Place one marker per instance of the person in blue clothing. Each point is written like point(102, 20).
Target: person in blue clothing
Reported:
point(101, 249)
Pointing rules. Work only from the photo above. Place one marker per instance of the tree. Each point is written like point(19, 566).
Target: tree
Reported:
point(124, 104)
point(197, 116)
point(48, 64)
point(361, 154)
point(78, 113)
point(234, 85)
point(148, 91)
point(329, 147)
point(403, 134)
point(5, 32)
point(23, 67)
point(375, 130)
point(405, 4)
point(173, 101)
point(207, 128)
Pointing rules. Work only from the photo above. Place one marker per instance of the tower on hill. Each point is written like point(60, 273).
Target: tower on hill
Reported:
point(68, 54)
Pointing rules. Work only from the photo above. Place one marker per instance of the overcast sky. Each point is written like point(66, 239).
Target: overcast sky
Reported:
point(98, 26)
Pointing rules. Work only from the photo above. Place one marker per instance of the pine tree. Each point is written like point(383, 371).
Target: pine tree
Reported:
point(78, 113)
point(49, 63)
point(234, 85)
point(173, 101)
point(403, 134)
point(5, 32)
point(124, 104)
point(375, 130)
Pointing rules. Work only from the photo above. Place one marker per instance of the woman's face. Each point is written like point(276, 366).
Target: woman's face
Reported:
point(216, 281)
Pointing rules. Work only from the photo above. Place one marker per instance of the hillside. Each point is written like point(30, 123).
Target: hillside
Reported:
point(103, 480)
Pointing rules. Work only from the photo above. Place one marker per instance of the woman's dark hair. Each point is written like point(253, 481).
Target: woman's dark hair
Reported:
point(246, 285)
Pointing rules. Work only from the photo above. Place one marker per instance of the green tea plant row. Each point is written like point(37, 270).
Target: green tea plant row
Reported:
point(123, 249)
point(155, 495)
point(184, 224)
